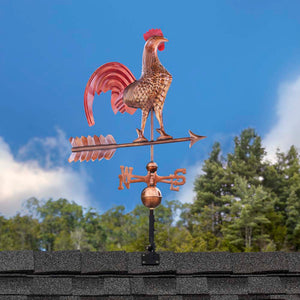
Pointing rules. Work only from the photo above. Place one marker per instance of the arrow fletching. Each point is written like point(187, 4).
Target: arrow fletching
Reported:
point(86, 155)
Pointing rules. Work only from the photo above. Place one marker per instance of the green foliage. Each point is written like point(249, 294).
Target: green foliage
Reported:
point(242, 203)
point(247, 159)
point(19, 232)
point(251, 207)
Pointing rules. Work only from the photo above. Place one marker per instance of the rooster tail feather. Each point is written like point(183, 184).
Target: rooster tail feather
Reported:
point(112, 76)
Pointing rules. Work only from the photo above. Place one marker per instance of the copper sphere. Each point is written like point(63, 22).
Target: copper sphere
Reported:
point(152, 167)
point(151, 196)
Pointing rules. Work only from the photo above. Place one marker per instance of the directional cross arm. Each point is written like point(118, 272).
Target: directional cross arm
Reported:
point(126, 177)
point(151, 179)
point(173, 179)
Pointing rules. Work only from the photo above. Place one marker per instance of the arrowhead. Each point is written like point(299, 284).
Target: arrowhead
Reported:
point(195, 138)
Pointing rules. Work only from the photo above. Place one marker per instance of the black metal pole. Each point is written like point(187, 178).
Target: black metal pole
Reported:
point(151, 258)
point(151, 231)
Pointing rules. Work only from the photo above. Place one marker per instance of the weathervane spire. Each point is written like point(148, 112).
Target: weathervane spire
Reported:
point(127, 95)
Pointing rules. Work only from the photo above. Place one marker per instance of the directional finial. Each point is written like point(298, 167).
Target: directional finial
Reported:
point(195, 138)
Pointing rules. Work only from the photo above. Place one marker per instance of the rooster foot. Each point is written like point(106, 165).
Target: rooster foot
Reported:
point(163, 135)
point(141, 137)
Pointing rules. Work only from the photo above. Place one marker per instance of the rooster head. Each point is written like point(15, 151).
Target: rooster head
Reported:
point(155, 39)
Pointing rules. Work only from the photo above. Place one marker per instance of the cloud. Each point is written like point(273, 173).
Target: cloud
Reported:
point(186, 193)
point(49, 151)
point(286, 131)
point(39, 170)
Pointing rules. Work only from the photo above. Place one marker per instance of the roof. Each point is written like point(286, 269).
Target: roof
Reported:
point(70, 275)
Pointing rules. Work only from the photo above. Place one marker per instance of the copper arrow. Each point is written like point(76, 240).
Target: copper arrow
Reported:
point(79, 146)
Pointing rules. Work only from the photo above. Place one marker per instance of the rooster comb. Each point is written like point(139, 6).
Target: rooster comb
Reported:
point(155, 32)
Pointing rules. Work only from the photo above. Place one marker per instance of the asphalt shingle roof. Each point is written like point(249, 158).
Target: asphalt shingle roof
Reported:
point(72, 275)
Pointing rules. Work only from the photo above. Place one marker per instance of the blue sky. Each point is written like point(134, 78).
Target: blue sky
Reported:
point(235, 64)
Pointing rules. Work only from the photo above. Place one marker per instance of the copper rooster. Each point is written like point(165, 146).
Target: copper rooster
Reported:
point(147, 93)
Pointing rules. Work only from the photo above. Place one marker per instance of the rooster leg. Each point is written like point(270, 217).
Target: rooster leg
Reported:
point(140, 132)
point(161, 130)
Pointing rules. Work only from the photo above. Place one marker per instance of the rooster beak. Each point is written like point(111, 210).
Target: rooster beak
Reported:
point(161, 45)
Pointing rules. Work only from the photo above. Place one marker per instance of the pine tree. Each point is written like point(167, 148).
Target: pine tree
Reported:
point(247, 159)
point(209, 188)
point(247, 227)
point(291, 191)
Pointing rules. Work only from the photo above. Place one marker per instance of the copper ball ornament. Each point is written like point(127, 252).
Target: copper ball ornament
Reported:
point(151, 196)
point(152, 167)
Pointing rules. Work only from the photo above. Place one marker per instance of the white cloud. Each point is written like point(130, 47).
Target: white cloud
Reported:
point(39, 170)
point(286, 131)
point(186, 193)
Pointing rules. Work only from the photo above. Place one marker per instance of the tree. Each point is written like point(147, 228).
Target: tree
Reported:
point(91, 235)
point(247, 159)
point(210, 188)
point(19, 233)
point(251, 206)
point(114, 224)
point(58, 219)
point(291, 190)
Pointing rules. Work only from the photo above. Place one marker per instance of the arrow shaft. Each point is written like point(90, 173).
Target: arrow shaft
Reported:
point(125, 145)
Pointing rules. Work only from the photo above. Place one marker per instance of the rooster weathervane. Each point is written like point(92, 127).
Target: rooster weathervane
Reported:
point(127, 94)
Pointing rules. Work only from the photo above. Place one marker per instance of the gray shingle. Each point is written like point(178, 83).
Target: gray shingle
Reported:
point(224, 297)
point(285, 297)
point(292, 284)
point(203, 262)
point(94, 298)
point(120, 298)
point(104, 262)
point(44, 297)
point(116, 286)
point(254, 297)
point(259, 262)
point(167, 263)
point(198, 297)
point(145, 297)
point(160, 286)
point(137, 285)
point(106, 298)
point(16, 261)
point(227, 285)
point(51, 286)
point(57, 262)
point(169, 297)
point(294, 261)
point(14, 285)
point(191, 285)
point(13, 297)
point(94, 286)
point(265, 285)
point(153, 285)
point(87, 286)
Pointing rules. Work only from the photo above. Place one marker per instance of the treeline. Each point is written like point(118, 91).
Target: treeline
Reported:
point(243, 203)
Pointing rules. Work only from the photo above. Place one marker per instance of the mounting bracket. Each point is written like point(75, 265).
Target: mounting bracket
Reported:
point(150, 258)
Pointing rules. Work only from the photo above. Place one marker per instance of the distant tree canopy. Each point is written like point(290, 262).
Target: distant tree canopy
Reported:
point(242, 203)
